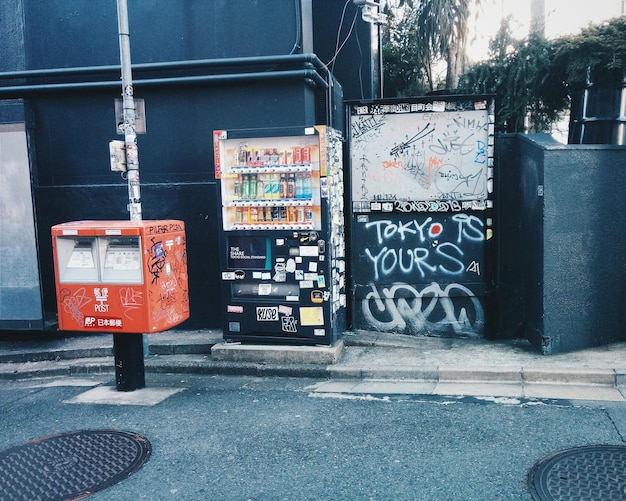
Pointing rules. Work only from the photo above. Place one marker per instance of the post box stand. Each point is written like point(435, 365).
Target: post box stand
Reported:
point(124, 277)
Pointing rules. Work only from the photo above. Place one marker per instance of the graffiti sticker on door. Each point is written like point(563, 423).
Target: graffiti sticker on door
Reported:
point(267, 313)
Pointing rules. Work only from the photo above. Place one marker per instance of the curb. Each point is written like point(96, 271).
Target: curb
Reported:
point(352, 358)
point(203, 364)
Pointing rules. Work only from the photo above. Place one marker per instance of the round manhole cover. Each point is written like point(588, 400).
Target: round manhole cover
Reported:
point(70, 465)
point(583, 473)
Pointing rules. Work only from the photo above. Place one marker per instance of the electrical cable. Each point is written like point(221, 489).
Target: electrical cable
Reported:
point(358, 43)
point(298, 40)
point(338, 50)
point(343, 13)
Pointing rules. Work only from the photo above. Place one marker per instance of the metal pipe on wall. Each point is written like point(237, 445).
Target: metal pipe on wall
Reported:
point(172, 65)
point(310, 76)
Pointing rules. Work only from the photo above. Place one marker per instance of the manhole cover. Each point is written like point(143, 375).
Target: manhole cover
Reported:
point(583, 473)
point(70, 465)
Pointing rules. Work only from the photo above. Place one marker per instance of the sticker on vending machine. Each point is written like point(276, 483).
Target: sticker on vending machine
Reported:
point(289, 324)
point(312, 315)
point(267, 313)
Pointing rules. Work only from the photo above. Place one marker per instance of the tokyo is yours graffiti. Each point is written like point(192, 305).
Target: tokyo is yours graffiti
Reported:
point(414, 274)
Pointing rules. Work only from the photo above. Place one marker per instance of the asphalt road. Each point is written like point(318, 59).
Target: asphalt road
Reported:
point(241, 438)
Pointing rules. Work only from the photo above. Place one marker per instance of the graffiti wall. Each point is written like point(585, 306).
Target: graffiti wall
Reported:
point(422, 176)
point(420, 274)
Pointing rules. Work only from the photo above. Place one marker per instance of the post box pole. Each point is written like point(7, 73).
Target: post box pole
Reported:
point(129, 366)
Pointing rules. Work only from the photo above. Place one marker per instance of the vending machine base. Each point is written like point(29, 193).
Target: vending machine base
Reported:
point(279, 354)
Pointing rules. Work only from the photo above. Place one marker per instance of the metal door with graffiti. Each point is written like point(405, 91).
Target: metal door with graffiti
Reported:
point(422, 215)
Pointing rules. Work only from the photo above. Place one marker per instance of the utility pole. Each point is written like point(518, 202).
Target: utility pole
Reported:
point(130, 132)
point(538, 17)
point(129, 348)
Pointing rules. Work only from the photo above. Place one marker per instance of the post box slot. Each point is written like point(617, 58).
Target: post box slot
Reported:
point(77, 259)
point(122, 260)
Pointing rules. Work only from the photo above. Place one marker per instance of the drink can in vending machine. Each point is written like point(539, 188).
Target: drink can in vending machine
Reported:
point(254, 215)
point(275, 157)
point(306, 154)
point(260, 187)
point(236, 186)
point(245, 187)
point(291, 186)
point(268, 187)
point(291, 214)
point(297, 155)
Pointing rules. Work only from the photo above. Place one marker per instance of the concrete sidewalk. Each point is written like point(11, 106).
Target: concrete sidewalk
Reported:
point(361, 362)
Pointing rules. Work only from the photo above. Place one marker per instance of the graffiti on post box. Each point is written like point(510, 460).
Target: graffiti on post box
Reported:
point(131, 299)
point(164, 228)
point(157, 259)
point(73, 303)
point(169, 296)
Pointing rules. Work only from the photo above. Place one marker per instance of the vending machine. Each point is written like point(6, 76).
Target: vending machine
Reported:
point(282, 246)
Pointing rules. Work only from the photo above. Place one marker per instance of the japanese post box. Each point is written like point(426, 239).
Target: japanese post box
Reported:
point(121, 276)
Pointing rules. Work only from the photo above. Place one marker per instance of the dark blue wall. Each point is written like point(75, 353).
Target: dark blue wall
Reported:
point(71, 33)
point(12, 29)
point(70, 114)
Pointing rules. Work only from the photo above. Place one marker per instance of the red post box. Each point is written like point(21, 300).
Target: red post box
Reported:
point(121, 276)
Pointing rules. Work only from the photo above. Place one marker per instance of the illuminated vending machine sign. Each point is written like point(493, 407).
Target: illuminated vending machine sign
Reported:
point(121, 276)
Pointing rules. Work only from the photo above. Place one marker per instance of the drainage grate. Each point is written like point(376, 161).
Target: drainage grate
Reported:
point(70, 465)
point(583, 473)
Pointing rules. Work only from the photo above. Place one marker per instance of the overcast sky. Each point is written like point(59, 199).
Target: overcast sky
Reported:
point(562, 17)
